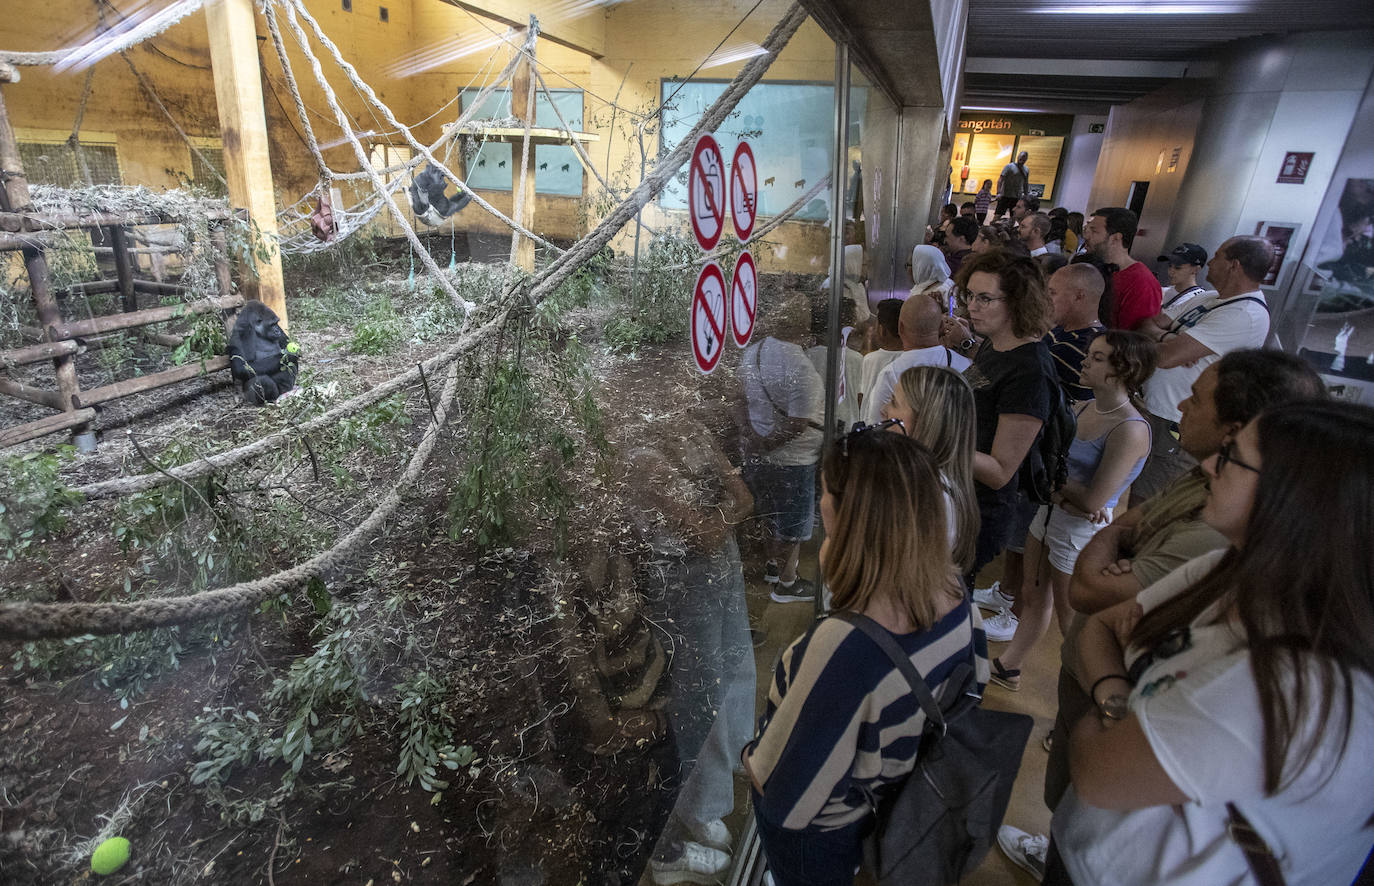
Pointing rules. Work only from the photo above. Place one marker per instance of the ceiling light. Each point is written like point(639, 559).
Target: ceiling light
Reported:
point(1146, 9)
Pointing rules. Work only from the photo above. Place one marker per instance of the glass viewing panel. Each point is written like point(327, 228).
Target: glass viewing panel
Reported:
point(558, 171)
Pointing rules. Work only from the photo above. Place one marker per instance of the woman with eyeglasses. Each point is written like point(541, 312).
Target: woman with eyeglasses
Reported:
point(1009, 312)
point(841, 723)
point(1236, 695)
point(1105, 456)
point(933, 405)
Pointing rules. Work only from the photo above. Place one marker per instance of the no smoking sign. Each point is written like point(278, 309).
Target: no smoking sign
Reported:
point(744, 299)
point(710, 317)
point(744, 191)
point(706, 192)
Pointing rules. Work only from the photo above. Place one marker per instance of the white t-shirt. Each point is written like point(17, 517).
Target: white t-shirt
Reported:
point(877, 396)
point(847, 410)
point(1201, 714)
point(1189, 298)
point(777, 377)
point(1220, 324)
point(874, 363)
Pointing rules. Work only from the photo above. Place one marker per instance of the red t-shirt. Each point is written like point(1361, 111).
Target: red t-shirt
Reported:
point(1136, 296)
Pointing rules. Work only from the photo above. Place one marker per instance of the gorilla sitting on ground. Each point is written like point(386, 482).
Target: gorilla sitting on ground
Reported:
point(261, 356)
point(429, 201)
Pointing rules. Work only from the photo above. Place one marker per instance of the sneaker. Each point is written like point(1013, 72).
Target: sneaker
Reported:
point(992, 598)
point(713, 834)
point(770, 572)
point(799, 591)
point(696, 864)
point(1027, 851)
point(1001, 627)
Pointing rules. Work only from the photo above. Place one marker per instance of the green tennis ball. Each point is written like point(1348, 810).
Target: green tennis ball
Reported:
point(110, 856)
point(293, 348)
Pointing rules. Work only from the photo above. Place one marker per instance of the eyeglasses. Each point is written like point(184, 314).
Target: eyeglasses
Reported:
point(862, 428)
point(979, 299)
point(1226, 455)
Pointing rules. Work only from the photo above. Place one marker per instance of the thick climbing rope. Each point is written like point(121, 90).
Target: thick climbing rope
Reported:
point(33, 621)
point(444, 282)
point(295, 8)
point(152, 94)
point(103, 45)
point(326, 174)
point(563, 267)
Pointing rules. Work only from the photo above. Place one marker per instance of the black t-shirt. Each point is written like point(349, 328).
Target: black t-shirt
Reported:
point(1014, 382)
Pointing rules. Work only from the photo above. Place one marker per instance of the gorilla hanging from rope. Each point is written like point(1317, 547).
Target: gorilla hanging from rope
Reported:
point(261, 356)
point(428, 199)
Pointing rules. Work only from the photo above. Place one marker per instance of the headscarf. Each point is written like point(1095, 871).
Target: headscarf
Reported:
point(854, 289)
point(929, 269)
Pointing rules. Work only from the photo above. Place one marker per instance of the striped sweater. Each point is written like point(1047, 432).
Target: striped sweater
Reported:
point(841, 721)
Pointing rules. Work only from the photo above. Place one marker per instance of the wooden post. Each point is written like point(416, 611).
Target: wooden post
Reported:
point(124, 269)
point(243, 129)
point(522, 107)
point(14, 197)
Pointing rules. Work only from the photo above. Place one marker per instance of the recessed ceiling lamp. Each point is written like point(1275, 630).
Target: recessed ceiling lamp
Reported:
point(1146, 9)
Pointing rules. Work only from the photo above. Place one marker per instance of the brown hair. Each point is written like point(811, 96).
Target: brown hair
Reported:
point(1132, 359)
point(1022, 281)
point(1253, 254)
point(1302, 586)
point(945, 420)
point(890, 536)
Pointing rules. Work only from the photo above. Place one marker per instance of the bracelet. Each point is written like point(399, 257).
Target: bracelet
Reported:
point(1092, 693)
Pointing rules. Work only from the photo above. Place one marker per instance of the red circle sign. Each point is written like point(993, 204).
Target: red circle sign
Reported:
point(744, 299)
point(710, 316)
point(744, 191)
point(706, 192)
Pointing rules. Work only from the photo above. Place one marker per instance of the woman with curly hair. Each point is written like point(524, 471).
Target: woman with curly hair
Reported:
point(1106, 455)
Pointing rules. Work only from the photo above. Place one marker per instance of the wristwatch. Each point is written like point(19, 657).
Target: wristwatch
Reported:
point(967, 343)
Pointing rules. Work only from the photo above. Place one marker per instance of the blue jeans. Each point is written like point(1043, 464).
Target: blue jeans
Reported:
point(812, 857)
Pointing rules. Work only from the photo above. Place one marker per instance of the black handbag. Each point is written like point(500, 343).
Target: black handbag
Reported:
point(939, 824)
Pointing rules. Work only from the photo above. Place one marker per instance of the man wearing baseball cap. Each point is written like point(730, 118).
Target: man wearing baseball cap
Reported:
point(1185, 260)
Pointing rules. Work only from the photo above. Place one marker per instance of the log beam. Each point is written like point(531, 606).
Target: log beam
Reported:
point(149, 382)
point(243, 128)
point(98, 325)
point(44, 426)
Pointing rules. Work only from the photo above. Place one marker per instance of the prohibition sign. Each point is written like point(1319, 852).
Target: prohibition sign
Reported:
point(744, 191)
point(744, 299)
point(706, 192)
point(709, 317)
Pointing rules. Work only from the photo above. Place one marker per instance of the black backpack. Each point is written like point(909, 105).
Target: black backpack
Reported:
point(1046, 467)
point(940, 823)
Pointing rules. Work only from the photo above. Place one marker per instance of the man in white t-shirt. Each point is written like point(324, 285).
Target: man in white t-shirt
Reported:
point(1237, 316)
point(919, 327)
point(780, 430)
point(888, 338)
point(1185, 261)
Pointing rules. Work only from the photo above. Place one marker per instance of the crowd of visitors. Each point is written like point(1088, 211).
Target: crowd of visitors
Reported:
point(1216, 696)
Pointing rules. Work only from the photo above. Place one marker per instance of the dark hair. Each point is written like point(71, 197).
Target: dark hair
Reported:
point(964, 227)
point(1058, 226)
point(1058, 212)
point(1252, 380)
point(887, 312)
point(1022, 282)
point(1132, 359)
point(1302, 586)
point(967, 204)
point(1041, 222)
point(1119, 220)
point(1075, 220)
point(1051, 262)
point(1253, 254)
point(1032, 203)
point(950, 210)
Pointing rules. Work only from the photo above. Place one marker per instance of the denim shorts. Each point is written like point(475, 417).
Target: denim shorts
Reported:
point(784, 496)
point(812, 857)
point(1021, 523)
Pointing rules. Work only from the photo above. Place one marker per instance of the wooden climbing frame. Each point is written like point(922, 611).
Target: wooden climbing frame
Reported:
point(32, 233)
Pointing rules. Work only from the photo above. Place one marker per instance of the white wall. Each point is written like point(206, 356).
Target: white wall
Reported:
point(1081, 151)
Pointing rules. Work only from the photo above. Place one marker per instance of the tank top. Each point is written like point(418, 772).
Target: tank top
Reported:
point(1085, 456)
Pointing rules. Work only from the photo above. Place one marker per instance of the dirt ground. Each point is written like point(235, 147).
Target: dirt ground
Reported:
point(547, 794)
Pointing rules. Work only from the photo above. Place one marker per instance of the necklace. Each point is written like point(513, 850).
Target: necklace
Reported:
point(1122, 405)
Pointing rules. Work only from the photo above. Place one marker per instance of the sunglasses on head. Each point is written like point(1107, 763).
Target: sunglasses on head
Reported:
point(863, 428)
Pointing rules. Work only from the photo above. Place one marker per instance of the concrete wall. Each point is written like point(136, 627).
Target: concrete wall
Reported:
point(1078, 166)
point(1272, 96)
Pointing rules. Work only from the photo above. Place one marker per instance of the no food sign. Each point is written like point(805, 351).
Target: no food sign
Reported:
point(744, 191)
point(706, 192)
point(710, 316)
point(744, 299)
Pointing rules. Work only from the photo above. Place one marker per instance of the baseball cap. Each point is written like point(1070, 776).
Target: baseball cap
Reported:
point(1186, 254)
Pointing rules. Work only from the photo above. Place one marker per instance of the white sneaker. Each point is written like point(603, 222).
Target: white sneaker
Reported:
point(1001, 627)
point(992, 598)
point(713, 834)
point(696, 864)
point(1025, 850)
